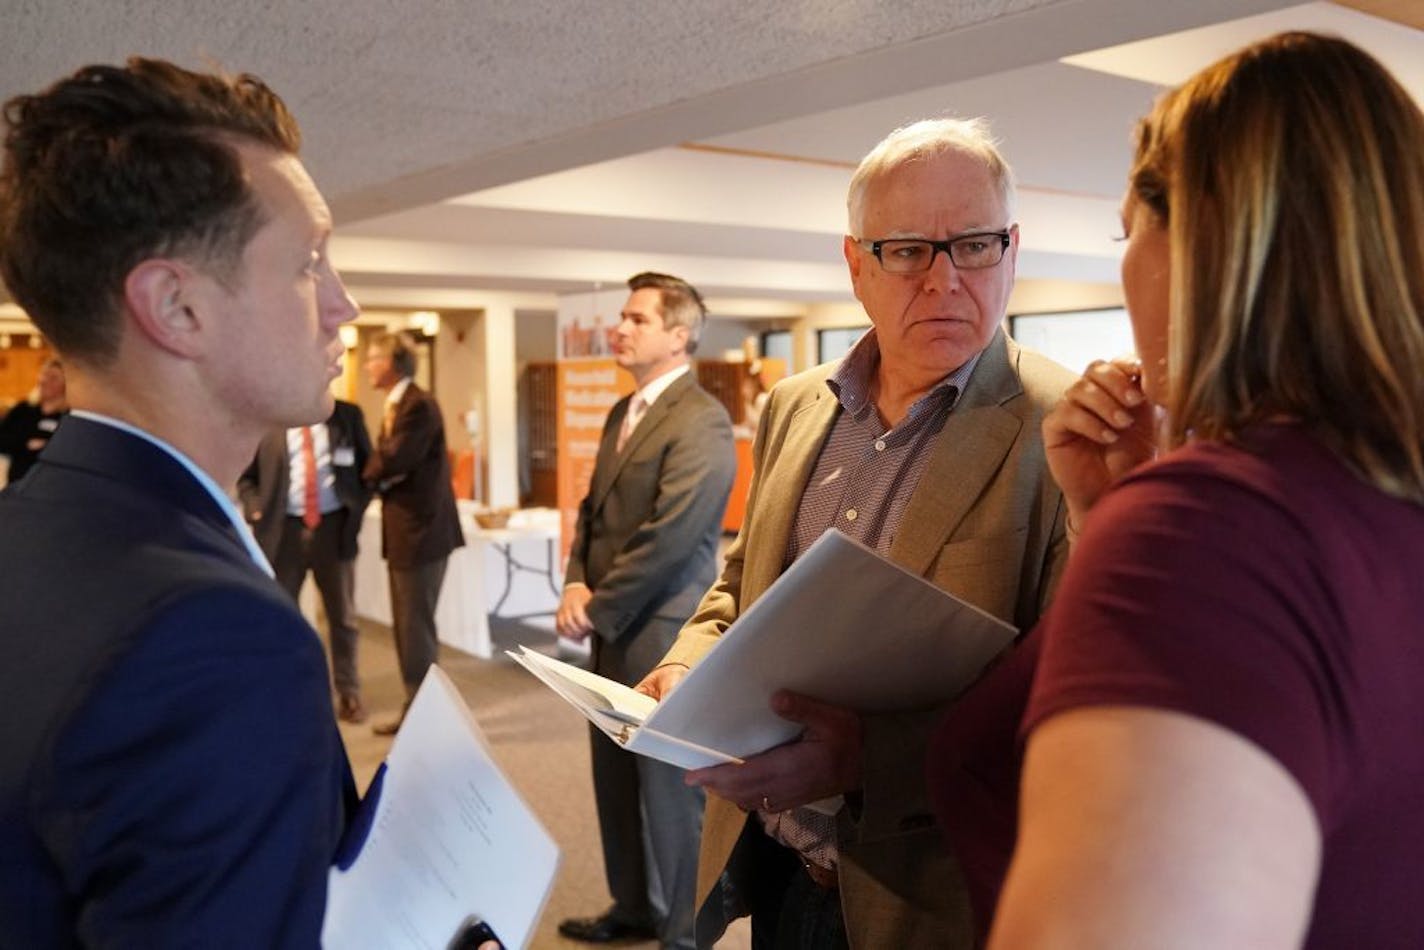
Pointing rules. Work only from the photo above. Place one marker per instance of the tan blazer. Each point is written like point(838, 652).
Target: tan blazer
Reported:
point(986, 523)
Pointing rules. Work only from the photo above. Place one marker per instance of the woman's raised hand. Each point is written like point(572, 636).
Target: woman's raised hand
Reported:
point(1101, 429)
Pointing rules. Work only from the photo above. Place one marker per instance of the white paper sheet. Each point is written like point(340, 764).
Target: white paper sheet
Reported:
point(842, 625)
point(617, 710)
point(451, 838)
point(591, 693)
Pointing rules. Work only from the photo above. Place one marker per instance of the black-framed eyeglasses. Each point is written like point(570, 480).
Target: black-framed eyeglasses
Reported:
point(973, 251)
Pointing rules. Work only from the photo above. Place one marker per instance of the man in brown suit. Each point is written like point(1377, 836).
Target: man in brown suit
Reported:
point(419, 525)
point(924, 444)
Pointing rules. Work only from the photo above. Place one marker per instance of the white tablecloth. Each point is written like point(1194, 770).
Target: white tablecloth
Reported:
point(511, 572)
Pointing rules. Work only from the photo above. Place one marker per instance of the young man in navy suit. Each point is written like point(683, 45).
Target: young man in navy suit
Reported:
point(170, 771)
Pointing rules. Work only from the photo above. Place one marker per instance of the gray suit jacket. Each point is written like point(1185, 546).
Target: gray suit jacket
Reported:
point(986, 523)
point(646, 538)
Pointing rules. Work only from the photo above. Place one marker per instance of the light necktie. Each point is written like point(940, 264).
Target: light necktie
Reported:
point(388, 419)
point(311, 507)
point(636, 406)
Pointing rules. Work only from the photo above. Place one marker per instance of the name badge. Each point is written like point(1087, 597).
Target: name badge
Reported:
point(47, 425)
point(343, 455)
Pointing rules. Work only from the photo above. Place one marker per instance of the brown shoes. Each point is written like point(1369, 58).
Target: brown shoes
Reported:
point(349, 708)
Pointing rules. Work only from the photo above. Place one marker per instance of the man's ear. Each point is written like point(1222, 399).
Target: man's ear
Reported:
point(683, 334)
point(854, 260)
point(157, 293)
point(1013, 251)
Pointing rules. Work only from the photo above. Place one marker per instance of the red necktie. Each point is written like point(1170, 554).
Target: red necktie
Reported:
point(311, 508)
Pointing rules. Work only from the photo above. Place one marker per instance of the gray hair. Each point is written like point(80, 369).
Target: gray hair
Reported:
point(927, 138)
point(400, 347)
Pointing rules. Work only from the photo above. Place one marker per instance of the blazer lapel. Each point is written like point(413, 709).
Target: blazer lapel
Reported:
point(609, 458)
point(789, 466)
point(607, 464)
point(655, 414)
point(407, 401)
point(965, 457)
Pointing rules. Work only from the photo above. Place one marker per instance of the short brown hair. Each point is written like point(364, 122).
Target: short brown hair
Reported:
point(115, 165)
point(682, 305)
point(1291, 182)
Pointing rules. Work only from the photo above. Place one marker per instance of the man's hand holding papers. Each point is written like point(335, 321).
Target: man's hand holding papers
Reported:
point(818, 640)
point(823, 762)
point(661, 680)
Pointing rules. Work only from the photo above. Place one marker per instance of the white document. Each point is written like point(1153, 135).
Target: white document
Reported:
point(451, 838)
point(616, 709)
point(843, 625)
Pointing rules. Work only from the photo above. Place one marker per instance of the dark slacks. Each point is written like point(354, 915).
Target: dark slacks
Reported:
point(414, 594)
point(789, 910)
point(299, 551)
point(649, 819)
point(640, 799)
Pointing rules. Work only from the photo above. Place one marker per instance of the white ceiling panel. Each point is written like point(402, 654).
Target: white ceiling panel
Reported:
point(531, 146)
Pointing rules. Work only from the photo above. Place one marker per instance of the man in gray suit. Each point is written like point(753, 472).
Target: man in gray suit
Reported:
point(924, 444)
point(644, 550)
point(304, 497)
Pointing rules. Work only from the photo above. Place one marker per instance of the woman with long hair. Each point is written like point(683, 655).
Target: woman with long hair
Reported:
point(1225, 727)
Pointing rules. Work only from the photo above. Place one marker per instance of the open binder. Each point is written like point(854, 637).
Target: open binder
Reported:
point(441, 841)
point(842, 625)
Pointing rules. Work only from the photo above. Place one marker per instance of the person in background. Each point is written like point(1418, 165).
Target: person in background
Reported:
point(420, 526)
point(644, 550)
point(28, 426)
point(754, 395)
point(170, 772)
point(924, 444)
point(1223, 724)
point(304, 497)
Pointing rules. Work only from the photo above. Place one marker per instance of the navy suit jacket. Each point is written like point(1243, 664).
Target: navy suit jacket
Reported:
point(170, 771)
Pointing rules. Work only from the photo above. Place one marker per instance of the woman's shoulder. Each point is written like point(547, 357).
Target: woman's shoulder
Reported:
point(1276, 462)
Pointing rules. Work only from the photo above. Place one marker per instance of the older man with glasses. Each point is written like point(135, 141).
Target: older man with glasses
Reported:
point(924, 444)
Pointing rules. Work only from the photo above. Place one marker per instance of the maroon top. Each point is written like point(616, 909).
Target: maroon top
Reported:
point(1263, 588)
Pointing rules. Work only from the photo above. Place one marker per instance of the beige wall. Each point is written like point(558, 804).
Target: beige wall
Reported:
point(1046, 296)
point(459, 357)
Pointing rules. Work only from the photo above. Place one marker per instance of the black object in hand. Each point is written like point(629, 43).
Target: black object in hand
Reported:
point(473, 934)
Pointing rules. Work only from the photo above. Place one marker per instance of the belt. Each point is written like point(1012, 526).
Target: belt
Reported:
point(324, 515)
point(824, 878)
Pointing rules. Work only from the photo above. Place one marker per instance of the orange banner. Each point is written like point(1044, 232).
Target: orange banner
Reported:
point(589, 382)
